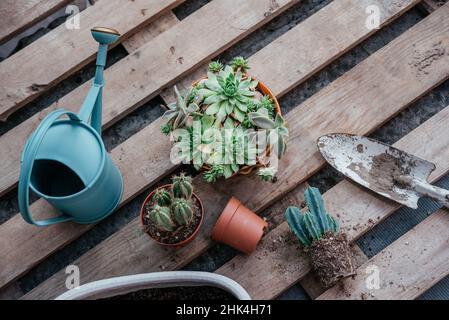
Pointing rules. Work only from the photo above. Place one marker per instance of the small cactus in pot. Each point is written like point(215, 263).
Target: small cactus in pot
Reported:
point(320, 236)
point(172, 214)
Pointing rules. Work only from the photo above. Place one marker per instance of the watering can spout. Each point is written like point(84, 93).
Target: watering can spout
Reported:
point(92, 105)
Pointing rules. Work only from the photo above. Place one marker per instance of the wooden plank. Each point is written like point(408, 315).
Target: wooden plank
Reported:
point(61, 52)
point(357, 85)
point(134, 161)
point(141, 76)
point(407, 268)
point(150, 32)
point(18, 15)
point(357, 210)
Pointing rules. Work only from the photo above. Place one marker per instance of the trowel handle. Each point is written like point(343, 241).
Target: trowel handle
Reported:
point(439, 194)
point(28, 157)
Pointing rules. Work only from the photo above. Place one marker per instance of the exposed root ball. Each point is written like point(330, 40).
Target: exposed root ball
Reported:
point(331, 258)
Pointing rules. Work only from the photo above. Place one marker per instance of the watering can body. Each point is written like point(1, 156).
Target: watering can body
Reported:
point(65, 161)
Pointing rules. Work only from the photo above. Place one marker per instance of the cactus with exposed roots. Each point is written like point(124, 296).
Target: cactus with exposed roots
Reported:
point(318, 232)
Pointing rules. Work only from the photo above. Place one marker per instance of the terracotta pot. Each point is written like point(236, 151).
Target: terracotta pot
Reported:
point(246, 170)
point(179, 244)
point(239, 227)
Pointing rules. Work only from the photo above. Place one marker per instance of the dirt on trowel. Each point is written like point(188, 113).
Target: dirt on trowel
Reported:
point(386, 172)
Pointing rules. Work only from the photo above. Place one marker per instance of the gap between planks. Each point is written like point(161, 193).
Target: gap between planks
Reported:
point(18, 15)
point(367, 82)
point(61, 52)
point(430, 5)
point(58, 236)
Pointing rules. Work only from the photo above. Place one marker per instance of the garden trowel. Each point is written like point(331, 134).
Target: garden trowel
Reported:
point(388, 171)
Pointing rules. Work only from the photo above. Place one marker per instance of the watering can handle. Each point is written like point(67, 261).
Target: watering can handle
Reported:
point(28, 156)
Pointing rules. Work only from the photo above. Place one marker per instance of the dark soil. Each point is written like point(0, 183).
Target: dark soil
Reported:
point(179, 235)
point(331, 258)
point(181, 293)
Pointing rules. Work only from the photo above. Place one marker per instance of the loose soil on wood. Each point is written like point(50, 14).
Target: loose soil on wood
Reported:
point(177, 236)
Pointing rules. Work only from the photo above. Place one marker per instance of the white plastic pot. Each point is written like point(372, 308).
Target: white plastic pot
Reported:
point(122, 285)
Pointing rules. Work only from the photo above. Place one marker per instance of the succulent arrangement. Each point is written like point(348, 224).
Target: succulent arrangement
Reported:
point(319, 234)
point(228, 100)
point(173, 208)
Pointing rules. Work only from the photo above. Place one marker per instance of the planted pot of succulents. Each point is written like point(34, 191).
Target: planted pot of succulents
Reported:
point(172, 214)
point(227, 124)
point(321, 238)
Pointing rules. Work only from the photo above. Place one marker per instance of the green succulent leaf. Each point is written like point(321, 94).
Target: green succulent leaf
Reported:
point(213, 108)
point(260, 120)
point(239, 115)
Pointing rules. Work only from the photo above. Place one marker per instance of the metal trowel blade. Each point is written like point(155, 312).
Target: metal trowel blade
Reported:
point(375, 165)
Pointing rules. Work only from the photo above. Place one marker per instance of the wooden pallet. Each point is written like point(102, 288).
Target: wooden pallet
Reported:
point(360, 102)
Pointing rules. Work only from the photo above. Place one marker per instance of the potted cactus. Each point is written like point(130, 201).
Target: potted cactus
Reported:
point(319, 234)
point(227, 124)
point(172, 214)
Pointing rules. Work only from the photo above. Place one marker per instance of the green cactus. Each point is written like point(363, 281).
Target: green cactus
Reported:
point(313, 224)
point(161, 217)
point(240, 63)
point(215, 66)
point(182, 186)
point(182, 211)
point(162, 197)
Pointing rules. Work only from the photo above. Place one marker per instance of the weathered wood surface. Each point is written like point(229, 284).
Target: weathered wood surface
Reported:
point(62, 52)
point(358, 211)
point(407, 268)
point(140, 76)
point(357, 85)
point(18, 15)
point(150, 32)
point(140, 166)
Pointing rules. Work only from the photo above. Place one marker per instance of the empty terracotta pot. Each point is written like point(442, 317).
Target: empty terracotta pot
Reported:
point(239, 227)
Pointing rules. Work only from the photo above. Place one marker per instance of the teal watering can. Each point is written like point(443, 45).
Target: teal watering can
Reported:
point(65, 162)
